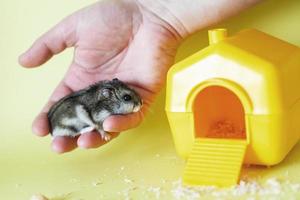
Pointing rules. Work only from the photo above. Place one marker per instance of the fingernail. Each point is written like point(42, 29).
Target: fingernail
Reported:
point(108, 128)
point(57, 149)
point(80, 144)
point(21, 57)
point(38, 132)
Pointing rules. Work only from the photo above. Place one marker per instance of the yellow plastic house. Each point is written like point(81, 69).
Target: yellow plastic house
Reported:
point(236, 101)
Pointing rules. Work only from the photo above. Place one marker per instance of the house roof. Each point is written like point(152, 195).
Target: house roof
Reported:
point(251, 60)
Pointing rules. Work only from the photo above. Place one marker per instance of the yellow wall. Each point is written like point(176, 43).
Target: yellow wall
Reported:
point(146, 153)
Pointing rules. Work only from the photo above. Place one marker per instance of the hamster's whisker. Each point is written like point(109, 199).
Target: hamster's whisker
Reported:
point(148, 108)
point(142, 114)
point(147, 102)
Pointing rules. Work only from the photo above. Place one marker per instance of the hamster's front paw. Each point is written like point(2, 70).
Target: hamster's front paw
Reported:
point(104, 135)
point(107, 137)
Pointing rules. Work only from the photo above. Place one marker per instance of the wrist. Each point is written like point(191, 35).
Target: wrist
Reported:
point(189, 16)
point(164, 13)
point(164, 24)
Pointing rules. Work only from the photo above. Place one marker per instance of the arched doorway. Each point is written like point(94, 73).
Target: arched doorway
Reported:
point(218, 113)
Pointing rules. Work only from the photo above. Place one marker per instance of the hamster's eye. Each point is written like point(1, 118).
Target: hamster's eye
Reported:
point(127, 97)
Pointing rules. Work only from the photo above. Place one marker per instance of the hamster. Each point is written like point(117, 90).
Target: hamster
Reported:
point(85, 110)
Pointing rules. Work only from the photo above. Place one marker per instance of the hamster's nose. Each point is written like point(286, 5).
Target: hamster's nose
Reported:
point(137, 108)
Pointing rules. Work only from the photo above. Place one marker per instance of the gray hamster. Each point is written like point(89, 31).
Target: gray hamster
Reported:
point(85, 110)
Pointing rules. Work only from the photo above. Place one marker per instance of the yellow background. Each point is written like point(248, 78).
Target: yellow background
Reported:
point(137, 163)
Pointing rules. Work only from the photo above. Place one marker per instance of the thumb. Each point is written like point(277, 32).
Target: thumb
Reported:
point(119, 123)
point(61, 36)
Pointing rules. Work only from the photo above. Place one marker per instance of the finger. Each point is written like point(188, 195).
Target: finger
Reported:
point(40, 125)
point(61, 144)
point(93, 140)
point(119, 123)
point(53, 42)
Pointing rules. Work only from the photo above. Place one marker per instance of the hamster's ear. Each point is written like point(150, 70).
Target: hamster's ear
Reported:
point(107, 92)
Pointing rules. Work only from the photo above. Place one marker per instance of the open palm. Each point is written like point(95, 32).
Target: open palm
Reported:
point(111, 40)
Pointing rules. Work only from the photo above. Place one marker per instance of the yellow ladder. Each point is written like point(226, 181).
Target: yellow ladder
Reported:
point(215, 162)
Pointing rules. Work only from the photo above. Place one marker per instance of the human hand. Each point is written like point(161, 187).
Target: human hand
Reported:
point(133, 40)
point(112, 39)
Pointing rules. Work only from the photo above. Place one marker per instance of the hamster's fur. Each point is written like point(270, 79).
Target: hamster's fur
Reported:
point(85, 110)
